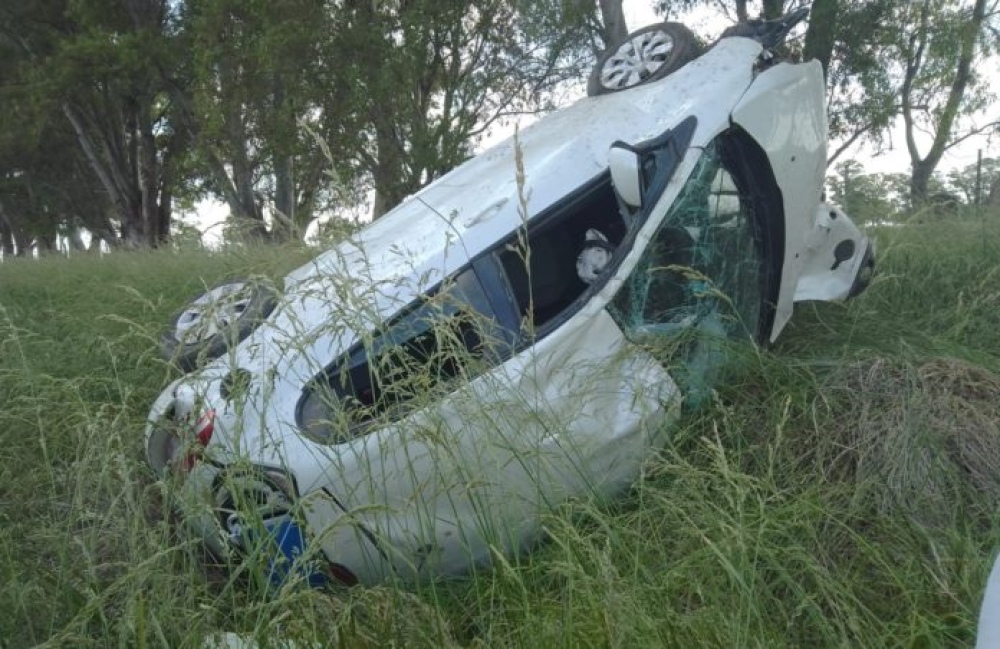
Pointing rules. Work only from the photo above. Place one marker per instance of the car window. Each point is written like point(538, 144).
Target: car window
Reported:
point(575, 244)
point(660, 158)
point(450, 335)
point(702, 273)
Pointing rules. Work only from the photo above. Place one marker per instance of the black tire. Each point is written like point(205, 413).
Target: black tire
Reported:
point(665, 47)
point(204, 330)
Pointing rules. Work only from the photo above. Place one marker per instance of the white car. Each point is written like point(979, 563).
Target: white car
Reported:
point(521, 332)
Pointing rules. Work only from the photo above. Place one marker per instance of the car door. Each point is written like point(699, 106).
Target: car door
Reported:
point(704, 281)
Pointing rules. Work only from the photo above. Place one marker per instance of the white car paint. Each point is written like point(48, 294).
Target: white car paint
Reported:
point(988, 636)
point(573, 415)
point(794, 137)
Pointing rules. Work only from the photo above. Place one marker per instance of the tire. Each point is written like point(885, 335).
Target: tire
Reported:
point(217, 320)
point(645, 56)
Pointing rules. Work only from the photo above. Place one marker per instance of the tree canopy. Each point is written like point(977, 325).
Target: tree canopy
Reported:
point(118, 110)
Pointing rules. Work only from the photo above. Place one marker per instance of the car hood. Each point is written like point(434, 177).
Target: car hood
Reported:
point(332, 302)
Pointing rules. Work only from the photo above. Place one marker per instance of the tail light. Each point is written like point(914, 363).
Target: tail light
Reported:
point(181, 444)
point(203, 429)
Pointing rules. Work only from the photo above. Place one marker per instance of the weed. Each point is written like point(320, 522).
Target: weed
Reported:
point(838, 490)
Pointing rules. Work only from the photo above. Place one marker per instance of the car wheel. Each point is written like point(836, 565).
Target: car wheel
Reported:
point(218, 319)
point(646, 55)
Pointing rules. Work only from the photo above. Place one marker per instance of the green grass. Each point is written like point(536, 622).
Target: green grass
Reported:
point(842, 490)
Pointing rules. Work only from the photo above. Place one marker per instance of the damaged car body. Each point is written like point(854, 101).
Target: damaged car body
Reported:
point(420, 396)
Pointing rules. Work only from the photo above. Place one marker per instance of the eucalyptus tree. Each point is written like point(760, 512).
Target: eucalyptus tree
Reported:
point(940, 54)
point(96, 64)
point(973, 182)
point(429, 77)
point(47, 187)
point(109, 70)
point(255, 91)
point(43, 196)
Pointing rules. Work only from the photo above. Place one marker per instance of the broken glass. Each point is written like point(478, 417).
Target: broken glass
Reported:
point(699, 284)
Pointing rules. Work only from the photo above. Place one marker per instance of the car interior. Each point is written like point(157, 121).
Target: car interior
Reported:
point(542, 273)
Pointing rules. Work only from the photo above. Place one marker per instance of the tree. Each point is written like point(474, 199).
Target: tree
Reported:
point(936, 48)
point(868, 198)
point(994, 197)
point(95, 64)
point(821, 34)
point(972, 182)
point(602, 28)
point(46, 184)
point(613, 24)
point(45, 196)
point(109, 67)
point(863, 95)
point(258, 73)
point(431, 77)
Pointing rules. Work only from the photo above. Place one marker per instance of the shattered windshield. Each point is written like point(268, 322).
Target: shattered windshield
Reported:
point(701, 279)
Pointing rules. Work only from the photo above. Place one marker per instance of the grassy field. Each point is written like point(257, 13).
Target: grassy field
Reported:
point(844, 490)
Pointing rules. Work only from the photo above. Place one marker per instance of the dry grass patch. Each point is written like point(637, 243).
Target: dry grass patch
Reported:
point(925, 438)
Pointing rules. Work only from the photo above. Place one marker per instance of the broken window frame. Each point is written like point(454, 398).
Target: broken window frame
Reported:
point(493, 294)
point(718, 299)
point(660, 158)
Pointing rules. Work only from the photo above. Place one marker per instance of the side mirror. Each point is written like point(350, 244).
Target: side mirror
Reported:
point(626, 175)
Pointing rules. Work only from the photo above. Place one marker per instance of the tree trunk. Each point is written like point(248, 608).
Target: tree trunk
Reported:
point(284, 225)
point(148, 169)
point(924, 167)
point(46, 244)
point(919, 179)
point(773, 9)
point(388, 172)
point(6, 240)
point(994, 197)
point(821, 33)
point(613, 19)
point(75, 238)
point(243, 205)
point(248, 210)
point(110, 163)
point(6, 235)
point(285, 219)
point(164, 215)
point(742, 15)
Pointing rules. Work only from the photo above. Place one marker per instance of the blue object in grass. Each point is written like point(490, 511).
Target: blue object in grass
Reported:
point(284, 560)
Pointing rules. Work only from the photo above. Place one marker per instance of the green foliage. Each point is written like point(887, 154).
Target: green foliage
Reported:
point(429, 78)
point(964, 181)
point(797, 509)
point(87, 77)
point(936, 55)
point(869, 198)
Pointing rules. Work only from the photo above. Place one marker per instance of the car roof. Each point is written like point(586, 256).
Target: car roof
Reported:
point(436, 231)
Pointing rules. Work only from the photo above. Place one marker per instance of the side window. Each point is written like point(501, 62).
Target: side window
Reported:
point(702, 272)
point(449, 336)
point(551, 265)
point(573, 244)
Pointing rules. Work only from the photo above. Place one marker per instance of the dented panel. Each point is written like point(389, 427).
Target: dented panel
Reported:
point(784, 111)
point(586, 374)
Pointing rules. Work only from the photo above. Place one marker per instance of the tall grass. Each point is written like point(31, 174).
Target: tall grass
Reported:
point(837, 491)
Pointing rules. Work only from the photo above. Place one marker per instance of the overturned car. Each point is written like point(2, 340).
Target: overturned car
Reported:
point(520, 332)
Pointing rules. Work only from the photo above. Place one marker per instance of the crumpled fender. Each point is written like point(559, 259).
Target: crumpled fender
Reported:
point(835, 258)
